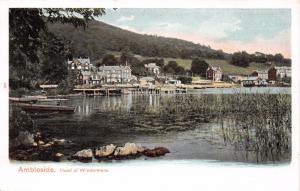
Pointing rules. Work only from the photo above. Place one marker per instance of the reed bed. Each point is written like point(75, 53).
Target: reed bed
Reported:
point(259, 123)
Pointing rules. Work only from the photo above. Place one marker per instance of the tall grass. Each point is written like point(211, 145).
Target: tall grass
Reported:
point(259, 123)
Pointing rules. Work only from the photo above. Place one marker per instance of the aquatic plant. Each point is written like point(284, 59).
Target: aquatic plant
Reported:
point(259, 123)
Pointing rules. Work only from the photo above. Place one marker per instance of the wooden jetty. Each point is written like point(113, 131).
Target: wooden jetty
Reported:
point(100, 91)
point(134, 90)
point(158, 90)
point(45, 108)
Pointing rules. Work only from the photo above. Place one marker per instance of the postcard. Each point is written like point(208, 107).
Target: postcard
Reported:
point(195, 97)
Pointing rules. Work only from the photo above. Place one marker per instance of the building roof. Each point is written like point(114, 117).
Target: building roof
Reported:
point(151, 65)
point(215, 68)
point(250, 78)
point(148, 79)
point(113, 67)
point(261, 71)
point(81, 60)
point(84, 60)
point(282, 67)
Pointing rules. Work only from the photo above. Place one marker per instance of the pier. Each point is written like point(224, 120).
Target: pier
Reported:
point(133, 90)
point(158, 90)
point(100, 91)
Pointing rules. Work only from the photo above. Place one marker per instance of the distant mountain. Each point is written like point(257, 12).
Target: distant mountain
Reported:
point(100, 37)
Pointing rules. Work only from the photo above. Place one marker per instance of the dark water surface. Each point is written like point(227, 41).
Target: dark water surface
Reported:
point(101, 120)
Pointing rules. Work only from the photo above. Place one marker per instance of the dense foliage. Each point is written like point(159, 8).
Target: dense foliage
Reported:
point(101, 36)
point(19, 121)
point(36, 54)
point(173, 68)
point(199, 67)
point(243, 59)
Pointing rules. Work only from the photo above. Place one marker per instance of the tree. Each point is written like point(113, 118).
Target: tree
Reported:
point(53, 66)
point(240, 59)
point(109, 60)
point(126, 55)
point(138, 68)
point(278, 58)
point(199, 67)
point(173, 68)
point(26, 30)
point(67, 85)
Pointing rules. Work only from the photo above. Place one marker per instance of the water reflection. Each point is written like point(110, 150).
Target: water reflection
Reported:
point(191, 126)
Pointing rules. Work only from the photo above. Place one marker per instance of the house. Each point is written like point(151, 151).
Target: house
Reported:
point(233, 78)
point(152, 67)
point(89, 74)
point(214, 73)
point(115, 74)
point(82, 64)
point(250, 81)
point(147, 81)
point(262, 74)
point(276, 73)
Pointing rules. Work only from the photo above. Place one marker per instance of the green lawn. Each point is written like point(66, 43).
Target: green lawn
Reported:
point(225, 66)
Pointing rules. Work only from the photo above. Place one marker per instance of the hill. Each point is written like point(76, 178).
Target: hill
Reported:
point(226, 67)
point(98, 38)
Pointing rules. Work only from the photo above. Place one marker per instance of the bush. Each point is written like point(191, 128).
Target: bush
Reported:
point(19, 92)
point(199, 67)
point(19, 121)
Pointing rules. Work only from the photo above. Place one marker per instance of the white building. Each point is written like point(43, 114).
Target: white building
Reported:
point(115, 74)
point(152, 67)
point(214, 73)
point(262, 74)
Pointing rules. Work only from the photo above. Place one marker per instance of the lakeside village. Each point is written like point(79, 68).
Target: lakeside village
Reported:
point(111, 80)
point(118, 79)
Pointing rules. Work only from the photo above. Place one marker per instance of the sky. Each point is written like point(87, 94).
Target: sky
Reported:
point(262, 30)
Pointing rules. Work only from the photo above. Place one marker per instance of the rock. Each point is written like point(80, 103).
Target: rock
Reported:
point(84, 155)
point(105, 151)
point(46, 145)
point(59, 141)
point(58, 156)
point(41, 142)
point(141, 149)
point(34, 144)
point(156, 152)
point(128, 149)
point(24, 138)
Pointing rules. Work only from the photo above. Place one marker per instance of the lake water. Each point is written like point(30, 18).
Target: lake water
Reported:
point(102, 120)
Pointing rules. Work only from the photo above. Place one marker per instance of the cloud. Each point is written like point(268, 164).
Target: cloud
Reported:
point(281, 43)
point(125, 18)
point(129, 28)
point(217, 28)
point(215, 32)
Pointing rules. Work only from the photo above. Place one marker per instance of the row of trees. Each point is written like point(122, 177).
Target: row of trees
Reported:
point(35, 53)
point(243, 59)
point(198, 66)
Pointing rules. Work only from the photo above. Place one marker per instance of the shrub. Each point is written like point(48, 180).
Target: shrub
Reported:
point(19, 121)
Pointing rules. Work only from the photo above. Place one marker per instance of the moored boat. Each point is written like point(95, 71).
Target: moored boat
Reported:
point(46, 108)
